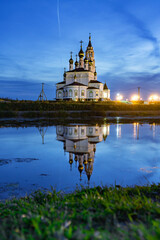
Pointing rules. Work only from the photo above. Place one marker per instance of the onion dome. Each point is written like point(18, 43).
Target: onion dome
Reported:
point(85, 162)
point(76, 62)
point(95, 73)
point(89, 159)
point(71, 60)
point(85, 60)
point(105, 87)
point(81, 53)
point(70, 161)
point(90, 62)
point(80, 168)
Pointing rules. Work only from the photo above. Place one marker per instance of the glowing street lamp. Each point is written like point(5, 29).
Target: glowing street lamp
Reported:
point(119, 97)
point(153, 98)
point(135, 98)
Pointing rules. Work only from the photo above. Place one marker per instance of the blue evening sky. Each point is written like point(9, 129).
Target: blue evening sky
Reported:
point(36, 37)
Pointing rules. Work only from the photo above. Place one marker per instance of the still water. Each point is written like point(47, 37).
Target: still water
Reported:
point(69, 156)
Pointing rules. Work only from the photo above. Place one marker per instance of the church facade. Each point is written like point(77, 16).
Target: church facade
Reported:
point(80, 82)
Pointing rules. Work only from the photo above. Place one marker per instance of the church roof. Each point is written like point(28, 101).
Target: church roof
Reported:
point(76, 84)
point(94, 81)
point(61, 82)
point(60, 88)
point(78, 70)
point(105, 86)
point(92, 88)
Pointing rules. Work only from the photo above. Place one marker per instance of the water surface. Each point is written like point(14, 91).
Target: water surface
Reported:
point(67, 157)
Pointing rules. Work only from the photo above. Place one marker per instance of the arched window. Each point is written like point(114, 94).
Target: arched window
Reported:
point(90, 94)
point(70, 131)
point(66, 93)
point(70, 93)
point(59, 94)
point(82, 93)
point(75, 93)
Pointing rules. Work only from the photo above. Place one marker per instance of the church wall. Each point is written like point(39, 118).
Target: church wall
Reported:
point(75, 92)
point(93, 94)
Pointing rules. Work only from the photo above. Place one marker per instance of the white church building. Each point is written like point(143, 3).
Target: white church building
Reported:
point(80, 83)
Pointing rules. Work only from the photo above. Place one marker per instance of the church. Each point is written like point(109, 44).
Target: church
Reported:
point(80, 82)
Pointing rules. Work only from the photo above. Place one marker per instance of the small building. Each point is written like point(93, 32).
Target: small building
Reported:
point(80, 82)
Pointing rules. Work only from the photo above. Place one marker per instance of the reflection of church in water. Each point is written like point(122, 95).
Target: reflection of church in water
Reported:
point(80, 141)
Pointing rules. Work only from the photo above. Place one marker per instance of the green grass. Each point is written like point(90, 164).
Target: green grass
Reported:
point(97, 213)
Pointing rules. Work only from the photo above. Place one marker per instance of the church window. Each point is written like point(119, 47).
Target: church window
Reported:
point(59, 94)
point(96, 94)
point(75, 131)
point(70, 93)
point(82, 131)
point(82, 93)
point(90, 130)
point(70, 131)
point(90, 94)
point(66, 93)
point(75, 93)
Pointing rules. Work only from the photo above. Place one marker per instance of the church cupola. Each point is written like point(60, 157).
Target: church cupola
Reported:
point(81, 56)
point(76, 63)
point(71, 63)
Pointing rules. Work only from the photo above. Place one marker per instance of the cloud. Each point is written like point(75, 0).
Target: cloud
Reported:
point(140, 27)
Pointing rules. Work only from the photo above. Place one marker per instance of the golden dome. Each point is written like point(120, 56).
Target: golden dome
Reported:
point(85, 162)
point(71, 61)
point(81, 53)
point(80, 167)
point(71, 161)
point(90, 62)
point(76, 63)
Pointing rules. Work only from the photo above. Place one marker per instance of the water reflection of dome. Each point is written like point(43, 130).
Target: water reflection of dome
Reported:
point(80, 141)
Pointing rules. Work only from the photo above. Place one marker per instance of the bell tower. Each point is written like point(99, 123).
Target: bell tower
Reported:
point(89, 54)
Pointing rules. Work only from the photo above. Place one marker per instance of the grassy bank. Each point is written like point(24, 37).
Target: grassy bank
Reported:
point(72, 106)
point(98, 213)
point(70, 109)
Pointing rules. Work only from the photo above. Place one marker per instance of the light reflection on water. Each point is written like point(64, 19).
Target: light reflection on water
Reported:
point(69, 156)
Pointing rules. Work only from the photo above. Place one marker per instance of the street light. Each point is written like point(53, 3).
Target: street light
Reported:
point(153, 98)
point(135, 98)
point(119, 97)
